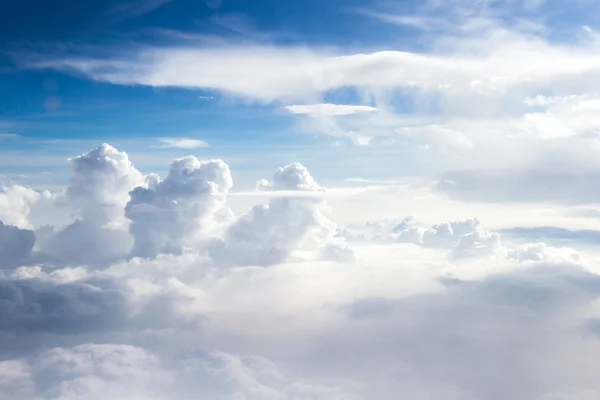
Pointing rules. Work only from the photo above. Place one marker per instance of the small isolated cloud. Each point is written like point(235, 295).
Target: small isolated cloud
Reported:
point(327, 109)
point(294, 176)
point(180, 143)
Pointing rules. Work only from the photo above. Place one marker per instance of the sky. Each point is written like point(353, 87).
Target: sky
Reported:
point(285, 200)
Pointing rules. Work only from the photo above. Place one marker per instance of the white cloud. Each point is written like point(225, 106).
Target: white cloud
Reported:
point(269, 234)
point(319, 110)
point(273, 303)
point(468, 90)
point(181, 143)
point(16, 203)
point(100, 183)
point(540, 251)
point(294, 176)
point(465, 238)
point(99, 371)
point(169, 214)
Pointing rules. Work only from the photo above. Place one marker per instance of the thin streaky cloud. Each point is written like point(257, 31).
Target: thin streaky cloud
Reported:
point(136, 8)
point(180, 143)
point(328, 109)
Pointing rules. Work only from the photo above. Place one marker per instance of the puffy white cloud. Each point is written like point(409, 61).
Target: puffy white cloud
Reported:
point(99, 371)
point(100, 183)
point(293, 176)
point(98, 191)
point(465, 238)
point(541, 252)
point(169, 215)
point(269, 234)
point(20, 206)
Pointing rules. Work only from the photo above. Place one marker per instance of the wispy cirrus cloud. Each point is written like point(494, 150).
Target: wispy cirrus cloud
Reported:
point(180, 143)
point(135, 8)
point(9, 136)
point(327, 109)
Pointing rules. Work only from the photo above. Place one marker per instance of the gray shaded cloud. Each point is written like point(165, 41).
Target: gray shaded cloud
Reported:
point(16, 245)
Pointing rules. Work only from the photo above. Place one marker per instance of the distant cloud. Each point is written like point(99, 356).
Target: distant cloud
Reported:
point(327, 109)
point(136, 8)
point(9, 136)
point(412, 21)
point(376, 181)
point(181, 143)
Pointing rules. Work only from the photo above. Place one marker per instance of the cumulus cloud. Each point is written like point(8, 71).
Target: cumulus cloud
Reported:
point(168, 215)
point(268, 234)
point(540, 251)
point(294, 176)
point(100, 183)
point(465, 238)
point(18, 205)
point(98, 191)
point(98, 371)
point(280, 302)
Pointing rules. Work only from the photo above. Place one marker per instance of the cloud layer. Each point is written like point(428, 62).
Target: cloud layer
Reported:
point(134, 286)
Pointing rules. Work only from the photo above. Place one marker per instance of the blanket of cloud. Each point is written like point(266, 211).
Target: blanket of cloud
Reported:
point(127, 285)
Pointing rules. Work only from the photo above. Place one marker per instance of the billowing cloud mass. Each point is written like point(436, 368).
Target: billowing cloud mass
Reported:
point(95, 199)
point(269, 234)
point(168, 215)
point(100, 183)
point(15, 245)
point(132, 286)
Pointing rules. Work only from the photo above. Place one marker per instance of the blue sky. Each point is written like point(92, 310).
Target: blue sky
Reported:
point(52, 107)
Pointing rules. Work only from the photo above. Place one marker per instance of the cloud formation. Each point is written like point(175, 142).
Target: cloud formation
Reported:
point(168, 215)
point(277, 302)
point(294, 176)
point(15, 245)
